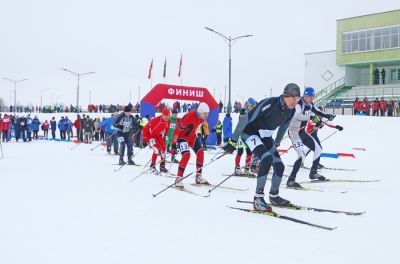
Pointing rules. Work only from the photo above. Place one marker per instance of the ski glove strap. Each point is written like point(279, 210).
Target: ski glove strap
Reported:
point(230, 147)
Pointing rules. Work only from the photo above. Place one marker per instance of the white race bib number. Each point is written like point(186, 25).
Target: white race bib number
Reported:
point(121, 139)
point(184, 146)
point(253, 141)
point(297, 144)
point(172, 126)
point(239, 143)
point(127, 124)
point(152, 141)
point(265, 133)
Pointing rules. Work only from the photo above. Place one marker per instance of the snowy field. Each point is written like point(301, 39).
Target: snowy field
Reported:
point(59, 205)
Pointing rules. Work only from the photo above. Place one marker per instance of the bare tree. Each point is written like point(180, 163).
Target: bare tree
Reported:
point(3, 105)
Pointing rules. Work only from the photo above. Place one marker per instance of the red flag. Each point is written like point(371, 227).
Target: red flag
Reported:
point(165, 68)
point(151, 68)
point(180, 67)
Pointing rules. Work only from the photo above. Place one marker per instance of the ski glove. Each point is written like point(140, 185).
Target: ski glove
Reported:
point(317, 121)
point(331, 117)
point(230, 147)
point(339, 127)
point(144, 144)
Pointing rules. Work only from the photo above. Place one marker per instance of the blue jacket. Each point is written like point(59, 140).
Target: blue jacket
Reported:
point(53, 124)
point(61, 125)
point(35, 123)
point(108, 125)
point(29, 122)
point(69, 124)
point(227, 127)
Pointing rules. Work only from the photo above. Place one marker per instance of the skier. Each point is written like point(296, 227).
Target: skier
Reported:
point(61, 127)
point(23, 126)
point(111, 134)
point(154, 134)
point(305, 111)
point(29, 128)
point(312, 130)
point(185, 137)
point(240, 146)
point(35, 125)
point(174, 120)
point(256, 128)
point(124, 124)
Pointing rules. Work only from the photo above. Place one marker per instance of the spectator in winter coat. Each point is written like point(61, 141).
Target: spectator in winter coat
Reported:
point(88, 128)
point(45, 128)
point(96, 122)
point(111, 135)
point(377, 106)
point(61, 127)
point(390, 107)
point(383, 107)
point(221, 105)
point(78, 127)
point(23, 126)
point(30, 127)
point(53, 125)
point(35, 126)
point(357, 106)
point(5, 126)
point(68, 128)
point(227, 127)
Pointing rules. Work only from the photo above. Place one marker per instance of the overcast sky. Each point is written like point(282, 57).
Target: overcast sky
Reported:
point(118, 39)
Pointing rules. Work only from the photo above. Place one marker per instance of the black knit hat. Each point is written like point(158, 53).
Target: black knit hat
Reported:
point(291, 90)
point(127, 109)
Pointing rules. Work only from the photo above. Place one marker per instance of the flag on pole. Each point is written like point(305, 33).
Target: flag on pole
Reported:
point(165, 68)
point(180, 67)
point(151, 68)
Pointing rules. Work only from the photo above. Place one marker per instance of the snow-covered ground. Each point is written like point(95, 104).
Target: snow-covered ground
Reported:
point(59, 205)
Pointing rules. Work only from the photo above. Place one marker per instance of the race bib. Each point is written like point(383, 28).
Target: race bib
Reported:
point(184, 146)
point(22, 123)
point(265, 133)
point(127, 124)
point(253, 141)
point(297, 143)
point(239, 143)
point(121, 139)
point(172, 126)
point(152, 141)
point(307, 112)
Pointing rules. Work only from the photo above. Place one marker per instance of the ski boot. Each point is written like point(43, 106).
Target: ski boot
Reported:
point(247, 170)
point(153, 169)
point(259, 203)
point(302, 165)
point(275, 199)
point(179, 183)
point(116, 153)
point(163, 169)
point(320, 166)
point(238, 171)
point(200, 180)
point(109, 152)
point(173, 160)
point(315, 176)
point(254, 168)
point(130, 161)
point(121, 161)
point(291, 183)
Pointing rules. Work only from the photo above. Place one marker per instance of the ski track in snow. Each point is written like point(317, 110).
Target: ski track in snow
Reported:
point(69, 206)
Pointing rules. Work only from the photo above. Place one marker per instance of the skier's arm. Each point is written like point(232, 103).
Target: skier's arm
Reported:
point(298, 114)
point(281, 132)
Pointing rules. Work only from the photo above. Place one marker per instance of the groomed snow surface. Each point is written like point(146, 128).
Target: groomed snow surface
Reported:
point(59, 205)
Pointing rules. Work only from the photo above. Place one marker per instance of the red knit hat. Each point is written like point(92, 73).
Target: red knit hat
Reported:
point(166, 111)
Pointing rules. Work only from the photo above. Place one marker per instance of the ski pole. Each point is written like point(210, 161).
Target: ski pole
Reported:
point(217, 153)
point(146, 170)
point(154, 195)
point(77, 145)
point(103, 141)
point(125, 163)
point(216, 186)
point(329, 135)
point(1, 146)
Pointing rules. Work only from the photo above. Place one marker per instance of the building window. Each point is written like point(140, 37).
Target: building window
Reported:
point(371, 39)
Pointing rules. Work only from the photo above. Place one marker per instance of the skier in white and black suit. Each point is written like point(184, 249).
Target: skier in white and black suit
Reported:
point(305, 111)
point(124, 124)
point(256, 128)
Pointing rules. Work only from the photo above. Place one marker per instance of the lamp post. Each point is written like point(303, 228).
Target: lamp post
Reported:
point(57, 98)
point(41, 105)
point(230, 41)
point(78, 76)
point(10, 97)
point(15, 90)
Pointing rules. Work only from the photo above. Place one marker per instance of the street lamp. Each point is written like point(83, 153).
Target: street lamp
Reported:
point(230, 41)
point(77, 75)
point(41, 105)
point(10, 96)
point(15, 90)
point(57, 98)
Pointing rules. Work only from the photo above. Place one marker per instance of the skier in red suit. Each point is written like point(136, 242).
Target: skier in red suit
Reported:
point(185, 138)
point(153, 134)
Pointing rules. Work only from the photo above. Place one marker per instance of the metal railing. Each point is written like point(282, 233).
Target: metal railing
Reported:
point(369, 79)
point(330, 89)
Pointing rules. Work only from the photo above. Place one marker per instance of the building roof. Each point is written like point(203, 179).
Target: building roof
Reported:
point(369, 14)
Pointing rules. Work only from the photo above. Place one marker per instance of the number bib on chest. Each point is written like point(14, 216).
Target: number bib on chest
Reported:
point(297, 143)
